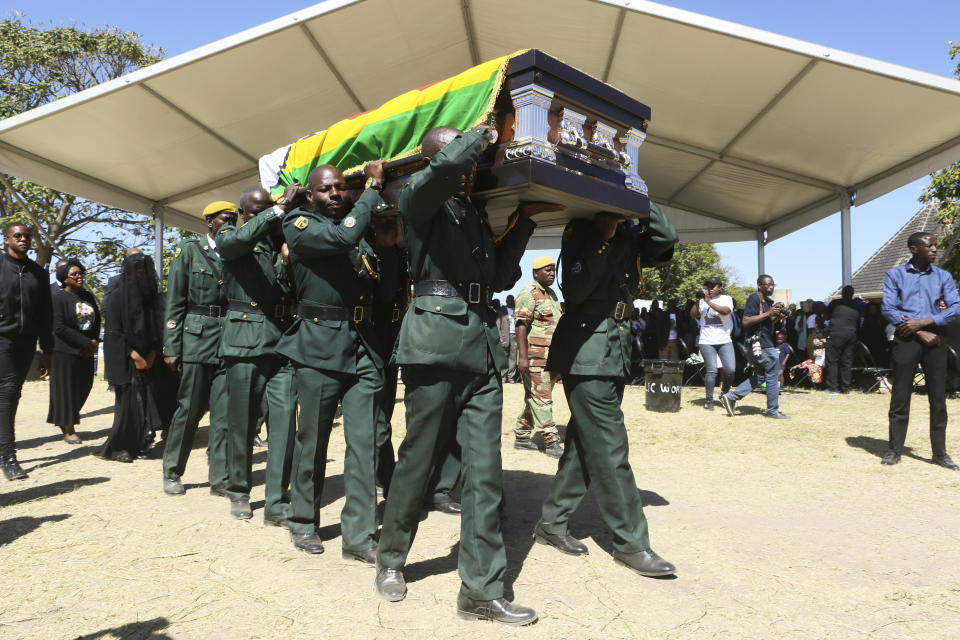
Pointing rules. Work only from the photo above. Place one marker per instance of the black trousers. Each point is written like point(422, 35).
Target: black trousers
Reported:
point(840, 359)
point(16, 356)
point(906, 355)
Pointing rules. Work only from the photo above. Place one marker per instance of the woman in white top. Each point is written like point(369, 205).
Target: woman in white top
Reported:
point(713, 315)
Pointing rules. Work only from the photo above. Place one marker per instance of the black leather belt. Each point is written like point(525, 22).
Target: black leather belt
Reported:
point(273, 310)
point(212, 310)
point(621, 311)
point(317, 312)
point(472, 292)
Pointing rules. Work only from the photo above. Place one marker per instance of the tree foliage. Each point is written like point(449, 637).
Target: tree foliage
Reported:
point(945, 187)
point(40, 65)
point(683, 276)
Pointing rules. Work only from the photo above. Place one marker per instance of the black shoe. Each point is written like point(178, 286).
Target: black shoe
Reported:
point(646, 563)
point(891, 457)
point(390, 584)
point(453, 508)
point(12, 469)
point(525, 443)
point(708, 405)
point(553, 449)
point(565, 543)
point(240, 509)
point(945, 462)
point(500, 610)
point(307, 542)
point(776, 416)
point(277, 519)
point(366, 556)
point(728, 404)
point(173, 487)
point(258, 441)
point(218, 490)
point(121, 456)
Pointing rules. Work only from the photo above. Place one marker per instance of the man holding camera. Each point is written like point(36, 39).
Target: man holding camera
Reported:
point(760, 314)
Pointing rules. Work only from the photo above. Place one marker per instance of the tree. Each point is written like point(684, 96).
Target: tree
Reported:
point(945, 187)
point(38, 66)
point(683, 276)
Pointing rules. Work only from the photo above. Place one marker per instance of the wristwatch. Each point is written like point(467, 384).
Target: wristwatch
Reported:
point(373, 183)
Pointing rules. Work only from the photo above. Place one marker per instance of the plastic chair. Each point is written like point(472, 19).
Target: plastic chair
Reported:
point(869, 372)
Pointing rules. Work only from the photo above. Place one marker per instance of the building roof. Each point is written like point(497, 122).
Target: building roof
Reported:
point(868, 279)
point(753, 134)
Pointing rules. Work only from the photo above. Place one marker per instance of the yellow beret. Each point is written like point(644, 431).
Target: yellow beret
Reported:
point(542, 261)
point(218, 206)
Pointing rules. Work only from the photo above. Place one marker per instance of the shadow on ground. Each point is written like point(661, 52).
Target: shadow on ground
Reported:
point(524, 493)
point(879, 447)
point(57, 436)
point(47, 490)
point(145, 630)
point(13, 528)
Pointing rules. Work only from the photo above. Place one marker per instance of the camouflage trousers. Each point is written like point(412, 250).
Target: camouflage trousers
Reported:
point(537, 405)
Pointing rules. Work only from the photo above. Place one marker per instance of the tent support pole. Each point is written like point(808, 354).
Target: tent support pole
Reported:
point(761, 262)
point(845, 240)
point(158, 240)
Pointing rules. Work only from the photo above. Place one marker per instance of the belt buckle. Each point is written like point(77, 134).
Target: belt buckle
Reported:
point(211, 311)
point(620, 311)
point(357, 315)
point(396, 314)
point(473, 293)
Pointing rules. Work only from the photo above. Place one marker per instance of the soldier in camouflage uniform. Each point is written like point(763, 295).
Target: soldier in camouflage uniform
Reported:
point(537, 313)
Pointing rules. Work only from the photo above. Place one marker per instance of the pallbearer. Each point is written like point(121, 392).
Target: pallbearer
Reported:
point(332, 345)
point(591, 350)
point(451, 358)
point(260, 310)
point(196, 304)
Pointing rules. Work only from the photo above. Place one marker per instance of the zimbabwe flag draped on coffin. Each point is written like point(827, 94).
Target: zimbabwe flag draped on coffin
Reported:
point(393, 130)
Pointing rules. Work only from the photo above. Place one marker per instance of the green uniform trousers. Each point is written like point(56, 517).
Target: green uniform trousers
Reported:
point(319, 392)
point(200, 385)
point(248, 380)
point(385, 460)
point(595, 452)
point(440, 403)
point(445, 477)
point(537, 405)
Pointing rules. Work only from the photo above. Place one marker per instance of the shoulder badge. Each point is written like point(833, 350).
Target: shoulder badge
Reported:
point(349, 221)
point(172, 324)
point(301, 222)
point(225, 229)
point(577, 267)
point(176, 254)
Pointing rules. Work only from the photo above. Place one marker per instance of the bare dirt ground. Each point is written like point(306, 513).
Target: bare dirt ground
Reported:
point(779, 529)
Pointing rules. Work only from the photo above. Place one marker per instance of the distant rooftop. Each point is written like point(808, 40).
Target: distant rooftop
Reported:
point(868, 279)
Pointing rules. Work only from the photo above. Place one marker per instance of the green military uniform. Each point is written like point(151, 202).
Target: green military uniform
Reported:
point(451, 359)
point(260, 309)
point(591, 349)
point(390, 303)
point(333, 349)
point(195, 307)
point(538, 308)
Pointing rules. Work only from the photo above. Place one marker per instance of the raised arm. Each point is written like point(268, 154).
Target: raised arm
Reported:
point(431, 187)
point(236, 242)
point(310, 233)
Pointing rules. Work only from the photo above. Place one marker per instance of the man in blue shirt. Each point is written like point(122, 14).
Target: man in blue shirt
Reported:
point(910, 302)
point(760, 314)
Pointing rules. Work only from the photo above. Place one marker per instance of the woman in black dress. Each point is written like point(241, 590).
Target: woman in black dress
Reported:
point(76, 334)
point(133, 315)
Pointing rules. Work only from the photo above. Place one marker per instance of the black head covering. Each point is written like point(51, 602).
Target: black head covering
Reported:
point(142, 303)
point(64, 269)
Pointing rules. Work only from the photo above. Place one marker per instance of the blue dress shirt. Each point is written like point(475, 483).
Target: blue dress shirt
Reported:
point(914, 294)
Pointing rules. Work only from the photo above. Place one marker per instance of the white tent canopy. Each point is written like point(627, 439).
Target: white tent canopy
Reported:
point(753, 135)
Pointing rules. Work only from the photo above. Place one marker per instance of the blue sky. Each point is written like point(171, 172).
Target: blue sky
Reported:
point(913, 34)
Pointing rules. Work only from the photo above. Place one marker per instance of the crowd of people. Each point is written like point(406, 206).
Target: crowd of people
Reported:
point(304, 310)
